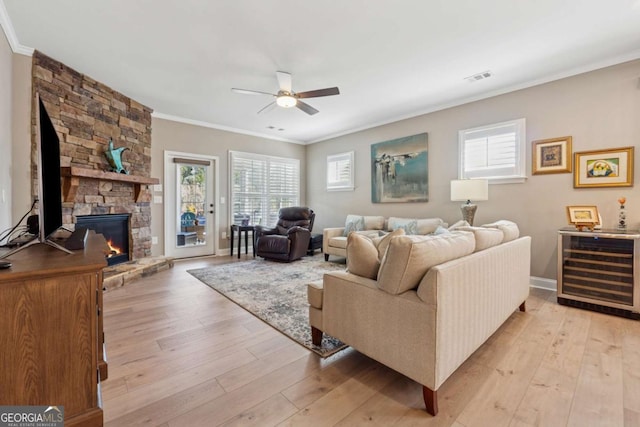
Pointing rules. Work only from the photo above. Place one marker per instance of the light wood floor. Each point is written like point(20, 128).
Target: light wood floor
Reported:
point(180, 354)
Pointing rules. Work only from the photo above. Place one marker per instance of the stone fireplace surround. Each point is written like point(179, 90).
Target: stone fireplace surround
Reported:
point(85, 114)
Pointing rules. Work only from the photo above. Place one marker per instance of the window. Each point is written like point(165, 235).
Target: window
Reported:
point(261, 185)
point(494, 152)
point(340, 172)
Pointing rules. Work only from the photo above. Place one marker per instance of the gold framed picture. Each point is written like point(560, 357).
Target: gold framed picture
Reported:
point(583, 216)
point(604, 168)
point(551, 155)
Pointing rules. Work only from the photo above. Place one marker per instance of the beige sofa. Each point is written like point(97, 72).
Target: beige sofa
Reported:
point(431, 303)
point(334, 239)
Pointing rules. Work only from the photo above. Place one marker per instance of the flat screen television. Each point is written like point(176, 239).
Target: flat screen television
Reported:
point(49, 186)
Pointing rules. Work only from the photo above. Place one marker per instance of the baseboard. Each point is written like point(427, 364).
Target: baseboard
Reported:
point(543, 283)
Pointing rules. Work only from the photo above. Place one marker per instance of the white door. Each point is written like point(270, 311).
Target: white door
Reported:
point(190, 189)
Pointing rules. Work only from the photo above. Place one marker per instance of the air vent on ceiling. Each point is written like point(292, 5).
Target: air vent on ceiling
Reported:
point(480, 76)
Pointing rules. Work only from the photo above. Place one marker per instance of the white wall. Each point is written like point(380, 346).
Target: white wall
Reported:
point(5, 131)
point(599, 109)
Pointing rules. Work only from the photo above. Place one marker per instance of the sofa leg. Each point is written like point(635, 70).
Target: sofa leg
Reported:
point(523, 308)
point(430, 400)
point(316, 336)
point(326, 257)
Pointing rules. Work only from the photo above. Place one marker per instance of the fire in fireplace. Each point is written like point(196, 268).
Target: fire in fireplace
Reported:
point(115, 229)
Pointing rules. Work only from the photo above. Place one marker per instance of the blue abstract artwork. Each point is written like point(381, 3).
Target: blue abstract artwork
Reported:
point(399, 170)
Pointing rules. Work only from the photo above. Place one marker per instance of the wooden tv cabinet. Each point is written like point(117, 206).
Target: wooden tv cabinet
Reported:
point(51, 339)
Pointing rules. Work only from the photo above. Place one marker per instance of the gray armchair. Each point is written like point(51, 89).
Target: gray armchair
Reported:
point(289, 239)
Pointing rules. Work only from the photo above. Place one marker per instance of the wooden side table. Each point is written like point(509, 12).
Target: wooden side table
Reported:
point(246, 228)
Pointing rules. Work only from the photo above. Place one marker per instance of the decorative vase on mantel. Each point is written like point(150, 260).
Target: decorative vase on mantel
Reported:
point(622, 216)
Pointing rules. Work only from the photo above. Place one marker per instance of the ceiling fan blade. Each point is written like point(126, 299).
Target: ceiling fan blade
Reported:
point(284, 80)
point(319, 92)
point(306, 108)
point(250, 92)
point(268, 108)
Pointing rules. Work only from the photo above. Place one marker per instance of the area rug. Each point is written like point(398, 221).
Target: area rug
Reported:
point(275, 293)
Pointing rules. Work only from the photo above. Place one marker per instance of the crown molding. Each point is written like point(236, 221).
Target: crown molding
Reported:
point(615, 60)
point(9, 32)
point(220, 127)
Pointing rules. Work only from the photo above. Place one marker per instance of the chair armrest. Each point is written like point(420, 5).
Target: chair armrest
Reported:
point(297, 229)
point(265, 231)
point(328, 233)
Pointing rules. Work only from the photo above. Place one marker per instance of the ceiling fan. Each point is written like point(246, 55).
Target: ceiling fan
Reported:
point(287, 98)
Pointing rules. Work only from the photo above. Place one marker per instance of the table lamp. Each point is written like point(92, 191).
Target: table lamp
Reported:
point(467, 190)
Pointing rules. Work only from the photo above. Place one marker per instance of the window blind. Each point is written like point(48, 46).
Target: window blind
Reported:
point(261, 185)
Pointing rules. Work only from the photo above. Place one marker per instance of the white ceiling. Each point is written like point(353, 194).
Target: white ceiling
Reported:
point(390, 59)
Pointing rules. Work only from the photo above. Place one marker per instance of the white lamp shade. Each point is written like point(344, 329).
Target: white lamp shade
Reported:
point(469, 189)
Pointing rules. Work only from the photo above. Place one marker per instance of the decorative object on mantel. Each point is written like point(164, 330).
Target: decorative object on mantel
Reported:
point(583, 216)
point(468, 189)
point(622, 216)
point(114, 156)
point(71, 181)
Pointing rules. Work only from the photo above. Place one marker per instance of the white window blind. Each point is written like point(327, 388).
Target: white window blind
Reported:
point(261, 185)
point(495, 152)
point(340, 172)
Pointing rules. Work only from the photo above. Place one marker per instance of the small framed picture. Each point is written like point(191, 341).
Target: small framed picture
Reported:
point(583, 216)
point(551, 155)
point(604, 168)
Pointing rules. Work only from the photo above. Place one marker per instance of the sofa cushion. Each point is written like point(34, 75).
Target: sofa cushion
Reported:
point(485, 237)
point(382, 242)
point(509, 228)
point(373, 222)
point(362, 256)
point(338, 242)
point(365, 253)
point(430, 225)
point(458, 224)
point(415, 226)
point(408, 258)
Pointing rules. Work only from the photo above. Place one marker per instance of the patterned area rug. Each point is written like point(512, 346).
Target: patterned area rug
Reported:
point(275, 293)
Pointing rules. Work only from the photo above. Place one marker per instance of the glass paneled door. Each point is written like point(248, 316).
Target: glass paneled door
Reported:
point(191, 211)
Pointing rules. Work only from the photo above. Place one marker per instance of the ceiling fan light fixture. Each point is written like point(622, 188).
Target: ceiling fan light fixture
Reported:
point(286, 101)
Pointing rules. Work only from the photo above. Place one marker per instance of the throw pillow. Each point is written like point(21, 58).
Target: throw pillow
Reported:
point(362, 256)
point(441, 230)
point(461, 223)
point(409, 225)
point(382, 242)
point(353, 223)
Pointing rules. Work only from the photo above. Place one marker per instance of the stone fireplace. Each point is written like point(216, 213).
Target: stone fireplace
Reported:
point(86, 114)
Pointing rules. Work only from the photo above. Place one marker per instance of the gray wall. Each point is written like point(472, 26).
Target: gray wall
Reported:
point(174, 136)
point(5, 131)
point(600, 109)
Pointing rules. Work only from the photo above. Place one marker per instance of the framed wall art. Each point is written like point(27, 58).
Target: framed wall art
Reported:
point(551, 155)
point(604, 168)
point(399, 170)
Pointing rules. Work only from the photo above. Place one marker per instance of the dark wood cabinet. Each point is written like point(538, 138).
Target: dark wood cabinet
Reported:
point(51, 339)
point(599, 271)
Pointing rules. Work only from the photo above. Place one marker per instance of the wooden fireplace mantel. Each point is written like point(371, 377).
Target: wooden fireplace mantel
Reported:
point(71, 180)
